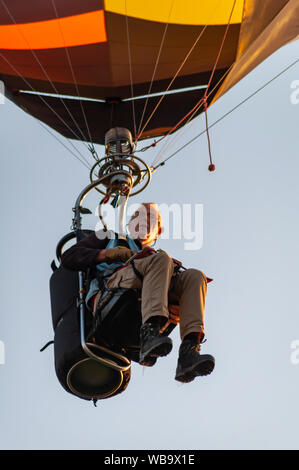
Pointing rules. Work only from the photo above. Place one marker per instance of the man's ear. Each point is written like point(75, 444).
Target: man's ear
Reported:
point(160, 230)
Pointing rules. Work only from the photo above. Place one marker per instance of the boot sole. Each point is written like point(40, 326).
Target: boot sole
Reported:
point(159, 350)
point(201, 369)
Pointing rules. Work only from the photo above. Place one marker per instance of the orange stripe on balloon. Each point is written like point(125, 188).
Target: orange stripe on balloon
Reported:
point(77, 30)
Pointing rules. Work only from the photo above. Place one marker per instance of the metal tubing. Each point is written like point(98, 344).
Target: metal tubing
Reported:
point(85, 347)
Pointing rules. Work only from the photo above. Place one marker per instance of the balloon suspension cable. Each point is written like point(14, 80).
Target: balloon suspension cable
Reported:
point(122, 216)
point(190, 115)
point(130, 71)
point(154, 144)
point(203, 102)
point(200, 102)
point(228, 113)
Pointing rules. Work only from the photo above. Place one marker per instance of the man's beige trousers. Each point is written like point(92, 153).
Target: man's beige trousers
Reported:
point(160, 287)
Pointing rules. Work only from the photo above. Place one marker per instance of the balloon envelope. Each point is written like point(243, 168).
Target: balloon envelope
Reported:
point(106, 52)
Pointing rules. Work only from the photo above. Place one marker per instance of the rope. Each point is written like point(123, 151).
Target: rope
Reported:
point(173, 79)
point(171, 82)
point(211, 166)
point(202, 101)
point(62, 143)
point(73, 76)
point(46, 103)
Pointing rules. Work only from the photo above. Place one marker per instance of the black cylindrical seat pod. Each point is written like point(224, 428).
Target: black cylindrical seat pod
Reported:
point(118, 140)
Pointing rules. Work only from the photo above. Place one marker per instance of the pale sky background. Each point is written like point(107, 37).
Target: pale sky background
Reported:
point(250, 248)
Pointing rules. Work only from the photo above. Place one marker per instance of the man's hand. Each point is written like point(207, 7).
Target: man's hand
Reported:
point(118, 254)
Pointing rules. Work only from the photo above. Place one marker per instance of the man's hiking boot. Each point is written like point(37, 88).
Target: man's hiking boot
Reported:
point(152, 345)
point(191, 363)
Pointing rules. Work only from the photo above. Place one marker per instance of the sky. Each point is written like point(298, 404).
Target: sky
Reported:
point(250, 249)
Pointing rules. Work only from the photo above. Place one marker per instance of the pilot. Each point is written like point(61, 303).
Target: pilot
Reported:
point(168, 293)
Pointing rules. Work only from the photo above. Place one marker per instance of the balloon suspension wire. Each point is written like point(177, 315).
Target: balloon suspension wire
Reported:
point(47, 77)
point(174, 77)
point(171, 82)
point(228, 113)
point(64, 145)
point(48, 105)
point(203, 101)
point(92, 149)
point(155, 68)
point(183, 128)
point(130, 70)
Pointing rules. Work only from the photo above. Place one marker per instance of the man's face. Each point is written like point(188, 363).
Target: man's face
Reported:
point(145, 224)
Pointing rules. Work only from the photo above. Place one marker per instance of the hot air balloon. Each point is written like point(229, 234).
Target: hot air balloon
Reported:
point(83, 67)
point(109, 54)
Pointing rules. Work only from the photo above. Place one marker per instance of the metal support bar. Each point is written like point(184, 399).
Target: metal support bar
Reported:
point(86, 346)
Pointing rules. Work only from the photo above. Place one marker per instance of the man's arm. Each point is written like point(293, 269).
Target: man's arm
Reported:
point(85, 254)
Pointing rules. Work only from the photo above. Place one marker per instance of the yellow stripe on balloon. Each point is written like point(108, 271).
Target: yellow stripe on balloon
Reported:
point(190, 12)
